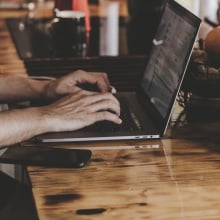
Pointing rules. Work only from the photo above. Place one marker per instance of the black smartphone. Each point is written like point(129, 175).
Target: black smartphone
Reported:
point(46, 156)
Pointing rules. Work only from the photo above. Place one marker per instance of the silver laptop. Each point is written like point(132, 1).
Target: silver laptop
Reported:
point(146, 112)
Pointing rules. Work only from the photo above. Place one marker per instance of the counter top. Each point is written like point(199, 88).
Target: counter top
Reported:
point(175, 178)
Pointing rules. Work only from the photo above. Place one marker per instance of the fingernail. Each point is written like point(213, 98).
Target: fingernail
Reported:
point(112, 90)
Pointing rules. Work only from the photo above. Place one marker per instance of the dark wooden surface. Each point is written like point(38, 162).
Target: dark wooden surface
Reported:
point(175, 178)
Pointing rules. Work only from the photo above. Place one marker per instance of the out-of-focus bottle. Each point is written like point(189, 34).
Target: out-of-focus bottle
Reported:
point(83, 6)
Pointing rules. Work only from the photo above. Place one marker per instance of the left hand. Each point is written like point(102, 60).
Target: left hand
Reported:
point(68, 84)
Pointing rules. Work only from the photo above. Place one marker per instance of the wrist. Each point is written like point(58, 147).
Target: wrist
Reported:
point(47, 119)
point(40, 119)
point(49, 90)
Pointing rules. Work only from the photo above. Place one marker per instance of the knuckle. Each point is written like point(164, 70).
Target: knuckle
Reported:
point(105, 74)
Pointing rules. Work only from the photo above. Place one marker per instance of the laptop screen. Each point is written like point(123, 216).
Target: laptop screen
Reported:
point(172, 46)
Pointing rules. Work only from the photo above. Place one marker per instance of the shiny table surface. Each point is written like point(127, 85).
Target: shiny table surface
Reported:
point(173, 178)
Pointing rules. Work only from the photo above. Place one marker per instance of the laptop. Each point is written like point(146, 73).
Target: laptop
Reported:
point(149, 108)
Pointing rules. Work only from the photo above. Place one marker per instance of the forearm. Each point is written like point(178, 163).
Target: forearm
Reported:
point(19, 125)
point(20, 88)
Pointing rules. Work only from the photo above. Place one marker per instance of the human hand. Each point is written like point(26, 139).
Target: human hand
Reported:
point(70, 83)
point(84, 108)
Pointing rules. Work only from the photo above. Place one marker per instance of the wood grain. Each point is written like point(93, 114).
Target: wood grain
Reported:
point(178, 179)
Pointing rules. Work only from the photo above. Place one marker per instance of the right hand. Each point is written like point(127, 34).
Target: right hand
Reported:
point(81, 109)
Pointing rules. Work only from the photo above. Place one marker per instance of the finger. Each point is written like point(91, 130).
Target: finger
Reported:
point(98, 78)
point(103, 83)
point(106, 115)
point(105, 105)
point(98, 97)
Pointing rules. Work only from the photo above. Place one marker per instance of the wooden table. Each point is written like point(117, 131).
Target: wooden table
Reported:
point(173, 178)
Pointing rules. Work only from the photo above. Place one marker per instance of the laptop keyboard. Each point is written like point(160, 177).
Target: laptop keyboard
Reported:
point(129, 121)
